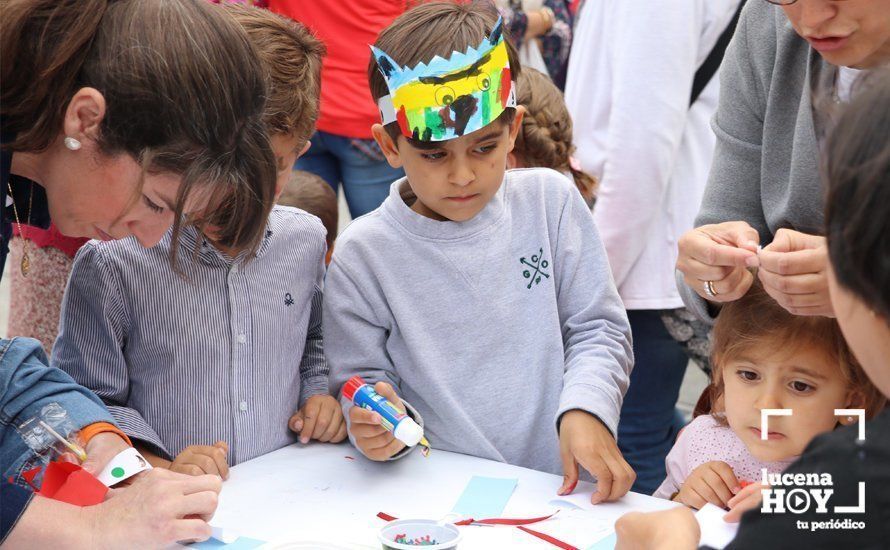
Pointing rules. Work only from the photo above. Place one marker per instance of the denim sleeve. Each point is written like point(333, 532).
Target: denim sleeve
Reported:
point(27, 384)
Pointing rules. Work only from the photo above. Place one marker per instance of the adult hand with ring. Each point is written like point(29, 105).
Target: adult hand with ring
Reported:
point(714, 260)
point(709, 289)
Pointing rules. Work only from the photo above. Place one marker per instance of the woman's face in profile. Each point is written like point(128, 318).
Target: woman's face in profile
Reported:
point(104, 197)
point(848, 33)
point(867, 333)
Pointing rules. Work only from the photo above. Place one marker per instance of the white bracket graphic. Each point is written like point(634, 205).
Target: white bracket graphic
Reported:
point(854, 412)
point(764, 420)
point(859, 509)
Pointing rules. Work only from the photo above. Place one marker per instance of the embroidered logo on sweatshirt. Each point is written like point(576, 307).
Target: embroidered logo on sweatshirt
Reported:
point(535, 268)
point(288, 299)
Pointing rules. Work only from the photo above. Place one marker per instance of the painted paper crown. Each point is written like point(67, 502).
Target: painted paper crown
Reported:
point(447, 98)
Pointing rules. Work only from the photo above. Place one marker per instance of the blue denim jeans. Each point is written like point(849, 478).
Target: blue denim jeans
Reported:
point(26, 385)
point(356, 163)
point(649, 420)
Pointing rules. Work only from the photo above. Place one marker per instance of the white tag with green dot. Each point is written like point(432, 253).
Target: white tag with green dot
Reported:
point(125, 465)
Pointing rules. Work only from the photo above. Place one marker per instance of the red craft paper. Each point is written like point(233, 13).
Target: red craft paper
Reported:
point(68, 482)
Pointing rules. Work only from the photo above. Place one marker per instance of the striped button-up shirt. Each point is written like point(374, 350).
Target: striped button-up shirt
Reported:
point(227, 352)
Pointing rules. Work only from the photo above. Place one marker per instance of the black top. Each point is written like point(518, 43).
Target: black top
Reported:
point(848, 461)
point(21, 189)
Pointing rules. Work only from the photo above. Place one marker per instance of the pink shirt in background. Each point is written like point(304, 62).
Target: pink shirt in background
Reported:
point(704, 440)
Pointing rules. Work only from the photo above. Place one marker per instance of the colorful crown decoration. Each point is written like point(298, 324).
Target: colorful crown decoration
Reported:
point(447, 98)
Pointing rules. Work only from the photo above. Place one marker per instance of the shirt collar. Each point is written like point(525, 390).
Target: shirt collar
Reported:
point(415, 223)
point(192, 240)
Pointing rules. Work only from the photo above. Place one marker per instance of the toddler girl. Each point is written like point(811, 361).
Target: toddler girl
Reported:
point(764, 358)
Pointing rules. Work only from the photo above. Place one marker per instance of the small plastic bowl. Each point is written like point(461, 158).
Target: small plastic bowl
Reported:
point(445, 534)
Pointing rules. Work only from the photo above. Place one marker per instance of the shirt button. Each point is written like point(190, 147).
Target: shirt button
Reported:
point(234, 268)
point(242, 338)
point(243, 406)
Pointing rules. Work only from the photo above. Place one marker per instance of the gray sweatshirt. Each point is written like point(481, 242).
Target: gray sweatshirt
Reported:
point(489, 328)
point(766, 164)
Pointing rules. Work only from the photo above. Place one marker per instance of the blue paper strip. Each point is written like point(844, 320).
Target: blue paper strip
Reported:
point(243, 543)
point(485, 497)
point(607, 543)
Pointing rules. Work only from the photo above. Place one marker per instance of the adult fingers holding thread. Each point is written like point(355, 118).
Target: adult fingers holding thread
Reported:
point(728, 244)
point(794, 272)
point(718, 252)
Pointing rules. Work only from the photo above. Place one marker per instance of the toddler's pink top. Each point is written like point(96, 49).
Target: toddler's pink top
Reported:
point(704, 440)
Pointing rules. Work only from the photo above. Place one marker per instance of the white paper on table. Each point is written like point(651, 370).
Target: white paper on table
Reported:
point(578, 528)
point(715, 532)
point(580, 497)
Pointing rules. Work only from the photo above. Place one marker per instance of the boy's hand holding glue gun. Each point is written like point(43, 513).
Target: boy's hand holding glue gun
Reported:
point(378, 422)
point(584, 440)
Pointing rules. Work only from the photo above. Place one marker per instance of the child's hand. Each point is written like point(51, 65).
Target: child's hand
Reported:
point(320, 418)
point(746, 499)
point(372, 439)
point(584, 439)
point(713, 482)
point(198, 460)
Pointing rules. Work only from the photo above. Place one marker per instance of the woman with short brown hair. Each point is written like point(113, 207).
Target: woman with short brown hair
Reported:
point(119, 118)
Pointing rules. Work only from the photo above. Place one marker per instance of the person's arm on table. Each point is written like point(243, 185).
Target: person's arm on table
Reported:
point(27, 384)
point(319, 415)
point(93, 331)
point(351, 320)
point(158, 509)
point(598, 355)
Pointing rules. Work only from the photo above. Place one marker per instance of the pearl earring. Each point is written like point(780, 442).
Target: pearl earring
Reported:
point(851, 419)
point(72, 144)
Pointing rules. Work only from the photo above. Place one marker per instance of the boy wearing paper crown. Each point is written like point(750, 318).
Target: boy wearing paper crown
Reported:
point(483, 297)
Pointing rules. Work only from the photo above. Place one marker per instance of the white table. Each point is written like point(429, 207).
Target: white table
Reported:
point(315, 493)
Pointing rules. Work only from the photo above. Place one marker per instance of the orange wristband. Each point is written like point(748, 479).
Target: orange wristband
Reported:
point(97, 428)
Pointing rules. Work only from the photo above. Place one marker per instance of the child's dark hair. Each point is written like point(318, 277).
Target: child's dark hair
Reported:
point(309, 192)
point(756, 321)
point(857, 214)
point(291, 56)
point(436, 28)
point(546, 136)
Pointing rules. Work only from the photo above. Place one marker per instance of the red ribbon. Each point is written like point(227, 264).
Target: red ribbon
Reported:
point(518, 523)
point(491, 521)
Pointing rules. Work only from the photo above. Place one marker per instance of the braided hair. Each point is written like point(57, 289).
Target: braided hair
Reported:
point(546, 136)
